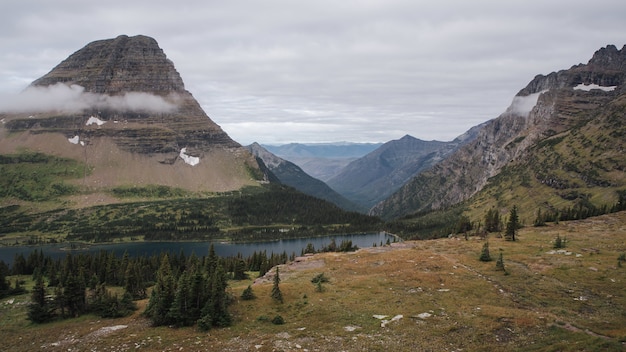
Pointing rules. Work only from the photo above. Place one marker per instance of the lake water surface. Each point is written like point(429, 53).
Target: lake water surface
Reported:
point(223, 249)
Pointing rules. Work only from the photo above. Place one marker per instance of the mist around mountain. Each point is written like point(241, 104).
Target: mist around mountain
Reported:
point(120, 108)
point(558, 149)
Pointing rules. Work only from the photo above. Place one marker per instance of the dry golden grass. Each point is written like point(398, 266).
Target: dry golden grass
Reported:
point(568, 301)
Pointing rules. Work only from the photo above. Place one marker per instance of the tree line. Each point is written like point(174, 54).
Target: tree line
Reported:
point(186, 289)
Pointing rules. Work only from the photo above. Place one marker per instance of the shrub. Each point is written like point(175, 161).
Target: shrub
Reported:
point(278, 320)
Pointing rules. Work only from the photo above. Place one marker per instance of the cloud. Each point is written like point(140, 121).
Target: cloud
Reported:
point(455, 62)
point(73, 98)
point(523, 104)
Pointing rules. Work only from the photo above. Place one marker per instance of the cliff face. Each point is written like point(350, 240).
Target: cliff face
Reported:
point(115, 66)
point(121, 106)
point(548, 106)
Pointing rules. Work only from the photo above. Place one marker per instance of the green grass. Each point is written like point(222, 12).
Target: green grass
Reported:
point(31, 176)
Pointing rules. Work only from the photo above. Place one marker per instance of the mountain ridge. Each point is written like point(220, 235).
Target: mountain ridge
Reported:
point(292, 175)
point(549, 106)
point(375, 176)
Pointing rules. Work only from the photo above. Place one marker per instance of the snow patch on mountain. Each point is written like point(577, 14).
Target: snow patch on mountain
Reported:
point(588, 87)
point(94, 120)
point(191, 160)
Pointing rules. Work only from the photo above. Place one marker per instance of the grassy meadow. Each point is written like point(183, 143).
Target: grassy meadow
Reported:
point(436, 296)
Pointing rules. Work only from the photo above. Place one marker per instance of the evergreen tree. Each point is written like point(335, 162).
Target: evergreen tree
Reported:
point(215, 311)
point(248, 294)
point(39, 310)
point(162, 294)
point(558, 242)
point(4, 284)
point(239, 272)
point(211, 261)
point(276, 294)
point(492, 221)
point(73, 298)
point(484, 254)
point(133, 283)
point(512, 225)
point(540, 220)
point(500, 263)
point(178, 313)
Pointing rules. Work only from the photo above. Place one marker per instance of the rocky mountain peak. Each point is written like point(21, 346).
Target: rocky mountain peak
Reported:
point(114, 66)
point(609, 58)
point(607, 68)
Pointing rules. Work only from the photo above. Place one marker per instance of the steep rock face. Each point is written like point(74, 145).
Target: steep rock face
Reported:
point(114, 66)
point(127, 109)
point(548, 106)
point(292, 175)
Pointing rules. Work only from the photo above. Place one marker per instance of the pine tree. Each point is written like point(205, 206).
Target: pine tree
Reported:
point(178, 313)
point(4, 284)
point(162, 294)
point(74, 298)
point(39, 310)
point(215, 311)
point(558, 242)
point(133, 284)
point(276, 294)
point(239, 272)
point(500, 263)
point(492, 221)
point(512, 225)
point(248, 294)
point(484, 254)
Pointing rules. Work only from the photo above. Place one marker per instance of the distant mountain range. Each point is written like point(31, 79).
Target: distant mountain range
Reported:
point(374, 177)
point(292, 175)
point(322, 160)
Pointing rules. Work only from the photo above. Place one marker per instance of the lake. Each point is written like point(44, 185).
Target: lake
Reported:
point(223, 249)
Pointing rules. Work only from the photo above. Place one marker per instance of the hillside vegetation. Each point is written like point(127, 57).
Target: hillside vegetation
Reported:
point(434, 295)
point(255, 213)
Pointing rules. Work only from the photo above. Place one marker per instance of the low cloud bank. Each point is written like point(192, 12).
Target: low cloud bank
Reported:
point(522, 105)
point(73, 98)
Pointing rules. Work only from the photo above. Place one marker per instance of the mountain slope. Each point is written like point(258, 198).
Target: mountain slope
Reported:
point(377, 175)
point(291, 175)
point(561, 139)
point(120, 107)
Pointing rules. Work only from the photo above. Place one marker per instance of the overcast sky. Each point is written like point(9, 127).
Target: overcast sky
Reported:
point(279, 71)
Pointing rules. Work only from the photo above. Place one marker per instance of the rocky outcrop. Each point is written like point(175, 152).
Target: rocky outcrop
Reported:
point(549, 105)
point(116, 66)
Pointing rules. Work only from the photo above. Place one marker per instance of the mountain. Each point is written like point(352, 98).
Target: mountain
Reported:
point(291, 175)
point(374, 177)
point(120, 109)
point(322, 160)
point(558, 148)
